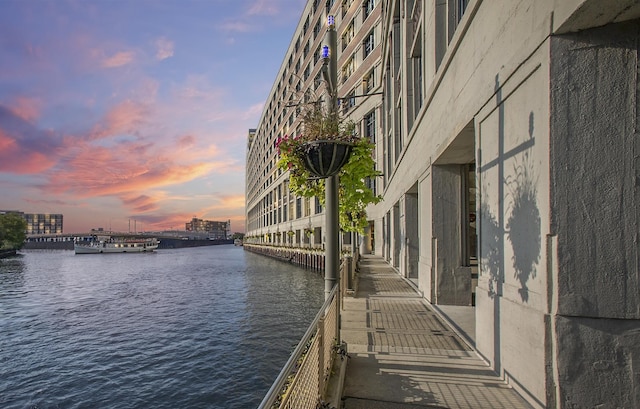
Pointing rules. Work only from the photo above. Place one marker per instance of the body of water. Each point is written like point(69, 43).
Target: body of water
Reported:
point(206, 327)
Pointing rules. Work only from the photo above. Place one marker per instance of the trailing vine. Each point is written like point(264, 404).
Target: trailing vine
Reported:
point(354, 195)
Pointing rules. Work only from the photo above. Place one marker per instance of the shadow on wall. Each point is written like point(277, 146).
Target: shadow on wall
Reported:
point(522, 226)
point(490, 235)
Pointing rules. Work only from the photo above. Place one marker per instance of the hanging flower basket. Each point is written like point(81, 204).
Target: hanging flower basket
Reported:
point(329, 145)
point(324, 158)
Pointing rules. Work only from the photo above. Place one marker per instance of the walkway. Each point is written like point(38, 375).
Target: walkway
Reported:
point(402, 356)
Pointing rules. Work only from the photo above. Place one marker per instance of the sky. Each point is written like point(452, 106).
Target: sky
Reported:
point(121, 113)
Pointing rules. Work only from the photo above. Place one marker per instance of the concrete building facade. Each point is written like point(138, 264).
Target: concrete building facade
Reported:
point(213, 229)
point(274, 215)
point(509, 148)
point(507, 135)
point(40, 223)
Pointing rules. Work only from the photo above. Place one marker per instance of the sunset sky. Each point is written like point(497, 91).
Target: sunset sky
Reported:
point(118, 110)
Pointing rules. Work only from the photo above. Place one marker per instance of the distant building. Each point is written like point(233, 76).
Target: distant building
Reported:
point(214, 229)
point(40, 223)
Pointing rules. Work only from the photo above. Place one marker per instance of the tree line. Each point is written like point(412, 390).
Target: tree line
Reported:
point(13, 229)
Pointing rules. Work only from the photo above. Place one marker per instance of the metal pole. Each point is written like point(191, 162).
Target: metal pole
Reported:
point(332, 254)
point(332, 262)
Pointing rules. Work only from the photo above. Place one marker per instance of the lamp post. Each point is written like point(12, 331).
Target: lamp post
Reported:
point(332, 254)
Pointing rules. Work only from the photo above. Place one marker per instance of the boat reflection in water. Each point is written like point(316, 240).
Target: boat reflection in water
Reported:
point(108, 244)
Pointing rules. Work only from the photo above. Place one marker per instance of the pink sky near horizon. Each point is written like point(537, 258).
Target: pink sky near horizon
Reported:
point(113, 112)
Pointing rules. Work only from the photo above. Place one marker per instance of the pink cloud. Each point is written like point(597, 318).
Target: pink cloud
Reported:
point(24, 149)
point(263, 8)
point(186, 141)
point(118, 59)
point(235, 201)
point(237, 27)
point(164, 48)
point(140, 203)
point(26, 108)
point(18, 159)
point(125, 117)
point(120, 170)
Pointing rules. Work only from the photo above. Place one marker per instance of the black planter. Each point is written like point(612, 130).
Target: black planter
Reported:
point(325, 158)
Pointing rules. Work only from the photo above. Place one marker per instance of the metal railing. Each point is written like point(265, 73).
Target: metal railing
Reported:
point(302, 381)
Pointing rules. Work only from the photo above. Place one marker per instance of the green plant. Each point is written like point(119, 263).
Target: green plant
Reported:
point(12, 231)
point(354, 193)
point(318, 124)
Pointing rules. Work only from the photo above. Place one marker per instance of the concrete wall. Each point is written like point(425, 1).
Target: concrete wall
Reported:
point(453, 283)
point(412, 219)
point(554, 141)
point(595, 206)
point(511, 298)
point(426, 259)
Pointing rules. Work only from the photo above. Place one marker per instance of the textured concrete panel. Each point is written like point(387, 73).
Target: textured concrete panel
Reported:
point(599, 363)
point(594, 146)
point(453, 283)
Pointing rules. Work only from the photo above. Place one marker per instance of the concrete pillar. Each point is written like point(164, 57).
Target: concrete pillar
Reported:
point(595, 217)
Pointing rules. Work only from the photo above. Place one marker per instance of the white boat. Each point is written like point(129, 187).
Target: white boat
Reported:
point(116, 245)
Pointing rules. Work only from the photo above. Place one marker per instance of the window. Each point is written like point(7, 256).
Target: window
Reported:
point(367, 45)
point(349, 101)
point(461, 7)
point(469, 232)
point(368, 82)
point(367, 8)
point(370, 126)
point(317, 80)
point(345, 6)
point(348, 68)
point(307, 207)
point(347, 36)
point(328, 5)
point(417, 84)
point(307, 71)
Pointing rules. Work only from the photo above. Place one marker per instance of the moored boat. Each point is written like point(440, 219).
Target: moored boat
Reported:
point(116, 245)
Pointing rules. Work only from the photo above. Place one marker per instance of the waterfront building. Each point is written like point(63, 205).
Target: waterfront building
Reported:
point(40, 223)
point(273, 214)
point(507, 138)
point(213, 229)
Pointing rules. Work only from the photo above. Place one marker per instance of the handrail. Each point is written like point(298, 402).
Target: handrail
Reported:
point(282, 378)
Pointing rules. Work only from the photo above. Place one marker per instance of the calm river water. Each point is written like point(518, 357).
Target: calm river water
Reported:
point(206, 327)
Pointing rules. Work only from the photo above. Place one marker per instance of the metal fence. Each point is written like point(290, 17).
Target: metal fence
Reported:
point(302, 381)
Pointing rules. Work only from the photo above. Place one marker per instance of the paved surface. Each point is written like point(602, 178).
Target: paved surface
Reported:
point(403, 356)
